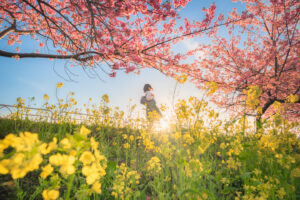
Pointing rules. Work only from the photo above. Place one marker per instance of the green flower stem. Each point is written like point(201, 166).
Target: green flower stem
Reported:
point(20, 194)
point(69, 186)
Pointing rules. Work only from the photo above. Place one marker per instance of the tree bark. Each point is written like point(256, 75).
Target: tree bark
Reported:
point(84, 56)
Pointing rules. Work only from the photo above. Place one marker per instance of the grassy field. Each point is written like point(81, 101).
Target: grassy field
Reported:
point(197, 156)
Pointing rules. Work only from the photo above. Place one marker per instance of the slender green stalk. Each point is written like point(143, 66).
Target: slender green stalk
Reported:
point(69, 186)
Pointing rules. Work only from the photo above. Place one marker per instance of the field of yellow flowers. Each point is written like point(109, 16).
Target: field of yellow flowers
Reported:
point(198, 156)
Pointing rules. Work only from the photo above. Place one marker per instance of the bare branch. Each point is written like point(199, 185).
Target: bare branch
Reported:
point(84, 56)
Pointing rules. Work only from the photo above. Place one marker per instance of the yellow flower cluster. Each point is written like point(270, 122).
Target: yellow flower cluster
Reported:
point(181, 78)
point(211, 87)
point(188, 138)
point(193, 167)
point(46, 96)
point(46, 148)
point(154, 164)
point(105, 98)
point(84, 131)
point(175, 156)
point(285, 161)
point(26, 158)
point(126, 146)
point(59, 85)
point(296, 172)
point(94, 165)
point(236, 146)
point(269, 142)
point(46, 171)
point(125, 182)
point(183, 111)
point(65, 157)
point(50, 194)
point(233, 164)
point(278, 107)
point(253, 93)
point(263, 188)
point(147, 142)
point(65, 162)
point(292, 98)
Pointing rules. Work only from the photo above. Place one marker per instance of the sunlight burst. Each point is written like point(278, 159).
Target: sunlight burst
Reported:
point(163, 124)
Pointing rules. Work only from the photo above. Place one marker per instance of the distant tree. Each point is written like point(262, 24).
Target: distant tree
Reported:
point(124, 34)
point(262, 52)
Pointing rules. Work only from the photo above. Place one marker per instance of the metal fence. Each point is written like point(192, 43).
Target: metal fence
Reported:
point(55, 116)
point(32, 113)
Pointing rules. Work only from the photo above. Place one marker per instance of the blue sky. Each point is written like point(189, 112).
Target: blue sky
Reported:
point(35, 77)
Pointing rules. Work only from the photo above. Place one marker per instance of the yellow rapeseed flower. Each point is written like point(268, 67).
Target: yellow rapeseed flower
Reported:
point(91, 173)
point(256, 172)
point(59, 84)
point(25, 159)
point(25, 142)
point(19, 165)
point(66, 143)
point(94, 144)
point(87, 157)
point(222, 145)
point(3, 169)
point(48, 169)
point(73, 153)
point(125, 179)
point(46, 97)
point(211, 87)
point(292, 98)
point(181, 78)
point(253, 93)
point(64, 161)
point(67, 169)
point(34, 162)
point(67, 164)
point(154, 163)
point(84, 131)
point(47, 148)
point(55, 159)
point(131, 138)
point(126, 146)
point(97, 187)
point(281, 193)
point(105, 98)
point(295, 172)
point(99, 157)
point(17, 172)
point(188, 138)
point(50, 194)
point(177, 135)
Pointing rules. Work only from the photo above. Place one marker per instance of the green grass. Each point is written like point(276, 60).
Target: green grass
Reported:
point(196, 163)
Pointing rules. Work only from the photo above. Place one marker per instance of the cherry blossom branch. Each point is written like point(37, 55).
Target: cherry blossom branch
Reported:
point(193, 33)
point(85, 56)
point(15, 30)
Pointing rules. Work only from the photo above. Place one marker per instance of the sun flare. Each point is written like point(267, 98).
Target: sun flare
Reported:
point(163, 124)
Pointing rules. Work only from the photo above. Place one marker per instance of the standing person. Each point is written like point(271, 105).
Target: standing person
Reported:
point(152, 111)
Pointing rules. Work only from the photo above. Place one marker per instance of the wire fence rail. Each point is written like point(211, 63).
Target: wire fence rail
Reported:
point(57, 116)
point(35, 114)
point(48, 115)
